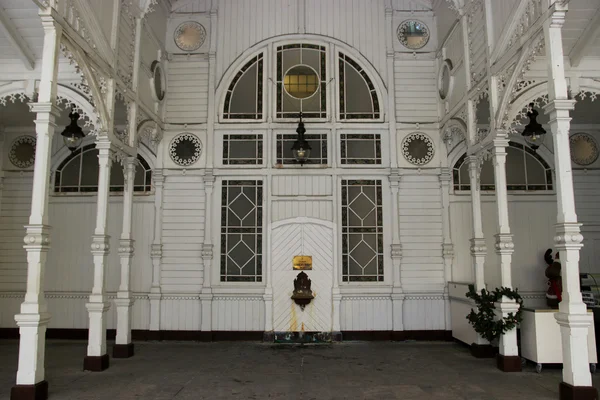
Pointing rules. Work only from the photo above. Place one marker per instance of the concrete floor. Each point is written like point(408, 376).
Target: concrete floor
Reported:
point(249, 370)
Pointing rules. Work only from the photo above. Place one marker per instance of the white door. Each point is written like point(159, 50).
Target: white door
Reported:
point(307, 239)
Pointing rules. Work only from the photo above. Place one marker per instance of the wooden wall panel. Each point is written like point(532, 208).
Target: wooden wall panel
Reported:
point(180, 313)
point(302, 185)
point(424, 313)
point(366, 313)
point(320, 209)
point(416, 90)
point(237, 313)
point(187, 94)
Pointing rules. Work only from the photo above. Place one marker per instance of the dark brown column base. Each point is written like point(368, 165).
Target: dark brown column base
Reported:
point(123, 350)
point(95, 363)
point(269, 337)
point(39, 391)
point(570, 392)
point(483, 350)
point(508, 363)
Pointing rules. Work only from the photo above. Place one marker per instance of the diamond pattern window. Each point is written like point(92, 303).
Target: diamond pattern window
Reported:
point(318, 143)
point(358, 98)
point(362, 231)
point(78, 173)
point(301, 81)
point(241, 231)
point(360, 149)
point(525, 170)
point(244, 98)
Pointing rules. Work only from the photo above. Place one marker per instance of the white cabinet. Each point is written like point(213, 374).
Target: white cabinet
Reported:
point(541, 340)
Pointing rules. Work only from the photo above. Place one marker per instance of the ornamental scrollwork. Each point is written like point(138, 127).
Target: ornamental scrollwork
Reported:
point(22, 152)
point(418, 148)
point(185, 149)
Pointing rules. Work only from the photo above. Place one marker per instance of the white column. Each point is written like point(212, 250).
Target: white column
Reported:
point(206, 295)
point(97, 358)
point(123, 346)
point(447, 247)
point(33, 318)
point(508, 360)
point(572, 317)
point(478, 247)
point(155, 295)
point(396, 253)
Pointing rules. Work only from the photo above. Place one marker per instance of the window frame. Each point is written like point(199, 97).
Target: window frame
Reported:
point(219, 146)
point(384, 139)
point(377, 94)
point(274, 144)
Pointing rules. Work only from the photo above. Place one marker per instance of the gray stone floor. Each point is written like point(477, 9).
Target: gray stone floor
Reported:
point(249, 370)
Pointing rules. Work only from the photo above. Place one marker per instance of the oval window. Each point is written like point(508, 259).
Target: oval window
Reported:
point(301, 81)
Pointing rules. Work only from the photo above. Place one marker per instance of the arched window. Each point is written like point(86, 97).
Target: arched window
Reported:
point(525, 170)
point(244, 98)
point(358, 98)
point(78, 173)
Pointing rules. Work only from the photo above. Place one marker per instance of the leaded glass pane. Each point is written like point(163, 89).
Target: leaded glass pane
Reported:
point(245, 93)
point(362, 231)
point(242, 149)
point(241, 231)
point(360, 149)
point(318, 143)
point(358, 98)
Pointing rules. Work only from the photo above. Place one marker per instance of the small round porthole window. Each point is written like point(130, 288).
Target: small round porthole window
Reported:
point(190, 36)
point(413, 34)
point(445, 80)
point(185, 149)
point(418, 148)
point(584, 149)
point(158, 81)
point(301, 82)
point(22, 152)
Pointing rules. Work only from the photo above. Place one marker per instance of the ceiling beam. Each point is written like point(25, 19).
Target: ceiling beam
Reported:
point(588, 38)
point(16, 40)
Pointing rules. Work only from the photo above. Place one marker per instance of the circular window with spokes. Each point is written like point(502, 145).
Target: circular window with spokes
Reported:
point(301, 82)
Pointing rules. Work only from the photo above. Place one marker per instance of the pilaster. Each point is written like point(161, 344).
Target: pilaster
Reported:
point(123, 346)
point(155, 294)
point(97, 358)
point(396, 254)
point(572, 317)
point(206, 296)
point(478, 247)
point(33, 317)
point(447, 246)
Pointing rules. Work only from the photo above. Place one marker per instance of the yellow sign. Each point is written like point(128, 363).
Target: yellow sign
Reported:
point(302, 262)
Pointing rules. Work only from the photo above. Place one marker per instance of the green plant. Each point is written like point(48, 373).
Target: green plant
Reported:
point(484, 320)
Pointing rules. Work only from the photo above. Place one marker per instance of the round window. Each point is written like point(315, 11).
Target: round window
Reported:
point(584, 149)
point(185, 149)
point(445, 81)
point(190, 36)
point(418, 148)
point(158, 80)
point(413, 34)
point(301, 81)
point(22, 152)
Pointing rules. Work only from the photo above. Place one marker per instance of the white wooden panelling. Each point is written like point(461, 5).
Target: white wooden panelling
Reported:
point(9, 306)
point(183, 234)
point(103, 13)
point(424, 313)
point(179, 313)
point(587, 191)
point(501, 11)
point(24, 15)
point(420, 219)
point(302, 239)
point(237, 313)
point(478, 42)
point(445, 18)
point(454, 45)
point(320, 209)
point(187, 99)
point(416, 90)
point(196, 6)
point(126, 46)
point(532, 224)
point(368, 313)
point(302, 185)
point(407, 5)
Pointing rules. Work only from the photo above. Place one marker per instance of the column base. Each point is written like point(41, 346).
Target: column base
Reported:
point(269, 337)
point(570, 392)
point(39, 391)
point(95, 363)
point(123, 350)
point(483, 350)
point(508, 363)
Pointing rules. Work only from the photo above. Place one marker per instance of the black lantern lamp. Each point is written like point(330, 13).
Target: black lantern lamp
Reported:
point(534, 133)
point(301, 149)
point(73, 134)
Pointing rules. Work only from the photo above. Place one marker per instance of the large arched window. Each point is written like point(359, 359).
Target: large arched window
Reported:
point(358, 98)
point(78, 173)
point(244, 98)
point(525, 170)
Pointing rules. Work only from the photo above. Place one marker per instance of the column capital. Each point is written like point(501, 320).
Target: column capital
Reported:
point(209, 177)
point(504, 243)
point(448, 250)
point(478, 247)
point(158, 178)
point(207, 251)
point(48, 108)
point(396, 251)
point(445, 176)
point(568, 236)
point(126, 247)
point(100, 244)
point(156, 251)
point(395, 177)
point(37, 237)
point(500, 145)
point(559, 105)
